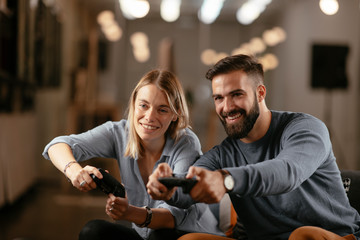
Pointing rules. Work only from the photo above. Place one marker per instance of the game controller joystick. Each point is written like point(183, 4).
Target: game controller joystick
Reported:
point(109, 184)
point(186, 183)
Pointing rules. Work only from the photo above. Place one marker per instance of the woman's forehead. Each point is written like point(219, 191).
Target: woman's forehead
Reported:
point(152, 94)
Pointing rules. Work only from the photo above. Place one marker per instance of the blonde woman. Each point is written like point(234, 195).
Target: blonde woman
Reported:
point(156, 131)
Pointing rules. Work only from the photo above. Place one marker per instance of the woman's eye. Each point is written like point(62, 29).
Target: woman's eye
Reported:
point(164, 110)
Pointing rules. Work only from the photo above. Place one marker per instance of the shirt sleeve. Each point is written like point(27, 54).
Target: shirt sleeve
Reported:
point(97, 142)
point(185, 152)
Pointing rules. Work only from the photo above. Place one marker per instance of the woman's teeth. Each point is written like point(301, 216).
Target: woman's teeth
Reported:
point(149, 127)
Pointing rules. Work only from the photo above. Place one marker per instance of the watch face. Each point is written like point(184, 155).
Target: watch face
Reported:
point(229, 182)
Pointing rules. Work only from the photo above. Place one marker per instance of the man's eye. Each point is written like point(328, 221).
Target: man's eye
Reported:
point(237, 94)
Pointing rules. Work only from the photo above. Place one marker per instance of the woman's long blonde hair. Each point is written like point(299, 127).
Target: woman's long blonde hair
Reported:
point(170, 85)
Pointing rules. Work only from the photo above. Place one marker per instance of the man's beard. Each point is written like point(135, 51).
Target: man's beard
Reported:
point(242, 128)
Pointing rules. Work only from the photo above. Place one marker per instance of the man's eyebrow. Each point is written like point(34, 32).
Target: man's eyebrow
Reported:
point(232, 92)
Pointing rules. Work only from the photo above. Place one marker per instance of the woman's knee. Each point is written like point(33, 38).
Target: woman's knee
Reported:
point(93, 229)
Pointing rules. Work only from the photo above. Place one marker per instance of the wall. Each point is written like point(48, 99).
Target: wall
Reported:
point(291, 90)
point(18, 160)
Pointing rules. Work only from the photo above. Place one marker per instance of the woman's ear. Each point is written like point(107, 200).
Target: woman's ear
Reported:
point(174, 118)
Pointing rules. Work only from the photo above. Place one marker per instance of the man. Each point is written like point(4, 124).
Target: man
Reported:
point(278, 167)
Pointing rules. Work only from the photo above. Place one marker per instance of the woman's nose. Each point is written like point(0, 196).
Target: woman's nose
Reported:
point(150, 114)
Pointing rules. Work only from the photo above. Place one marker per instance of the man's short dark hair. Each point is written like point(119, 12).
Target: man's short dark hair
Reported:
point(249, 64)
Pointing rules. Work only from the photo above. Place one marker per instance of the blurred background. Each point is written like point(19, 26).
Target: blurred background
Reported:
point(69, 65)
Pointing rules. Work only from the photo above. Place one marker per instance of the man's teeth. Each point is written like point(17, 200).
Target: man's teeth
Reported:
point(149, 127)
point(234, 116)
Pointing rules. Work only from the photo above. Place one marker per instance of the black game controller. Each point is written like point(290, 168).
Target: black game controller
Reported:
point(186, 183)
point(109, 184)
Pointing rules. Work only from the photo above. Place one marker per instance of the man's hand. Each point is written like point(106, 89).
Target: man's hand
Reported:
point(210, 186)
point(156, 189)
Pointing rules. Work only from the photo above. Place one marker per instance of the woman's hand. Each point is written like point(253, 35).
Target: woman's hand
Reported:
point(117, 208)
point(156, 189)
point(80, 177)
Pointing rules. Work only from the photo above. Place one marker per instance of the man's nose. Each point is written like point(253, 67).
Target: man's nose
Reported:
point(228, 104)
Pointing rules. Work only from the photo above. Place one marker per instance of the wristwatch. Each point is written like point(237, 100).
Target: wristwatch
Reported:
point(228, 180)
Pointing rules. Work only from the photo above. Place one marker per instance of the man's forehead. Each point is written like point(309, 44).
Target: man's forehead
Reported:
point(230, 81)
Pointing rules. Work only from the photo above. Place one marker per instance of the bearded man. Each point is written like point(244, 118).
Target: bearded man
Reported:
point(277, 167)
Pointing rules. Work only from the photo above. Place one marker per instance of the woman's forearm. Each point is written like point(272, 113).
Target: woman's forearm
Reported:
point(62, 157)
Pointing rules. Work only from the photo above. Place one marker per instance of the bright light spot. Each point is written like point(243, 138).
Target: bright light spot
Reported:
point(210, 10)
point(105, 17)
point(329, 7)
point(132, 9)
point(274, 36)
point(280, 33)
point(247, 13)
point(269, 61)
point(139, 42)
point(257, 45)
point(170, 10)
point(109, 26)
point(207, 56)
point(220, 56)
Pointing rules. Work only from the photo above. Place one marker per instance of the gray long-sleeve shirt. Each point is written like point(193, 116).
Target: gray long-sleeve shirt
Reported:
point(287, 179)
point(109, 141)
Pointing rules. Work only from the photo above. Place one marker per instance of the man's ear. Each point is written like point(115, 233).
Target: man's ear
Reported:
point(261, 92)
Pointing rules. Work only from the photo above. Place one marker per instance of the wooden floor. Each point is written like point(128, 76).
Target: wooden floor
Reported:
point(46, 212)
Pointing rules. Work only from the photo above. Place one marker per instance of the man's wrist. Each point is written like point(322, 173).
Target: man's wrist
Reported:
point(228, 180)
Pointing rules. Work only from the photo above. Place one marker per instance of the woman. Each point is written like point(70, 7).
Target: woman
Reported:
point(156, 131)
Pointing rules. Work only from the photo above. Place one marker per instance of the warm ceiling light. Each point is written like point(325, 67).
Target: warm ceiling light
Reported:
point(329, 7)
point(207, 56)
point(105, 17)
point(139, 42)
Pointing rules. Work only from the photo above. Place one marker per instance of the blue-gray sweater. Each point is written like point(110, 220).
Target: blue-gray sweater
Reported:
point(287, 179)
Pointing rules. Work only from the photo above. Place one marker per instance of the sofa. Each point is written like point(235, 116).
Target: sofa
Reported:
point(351, 179)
